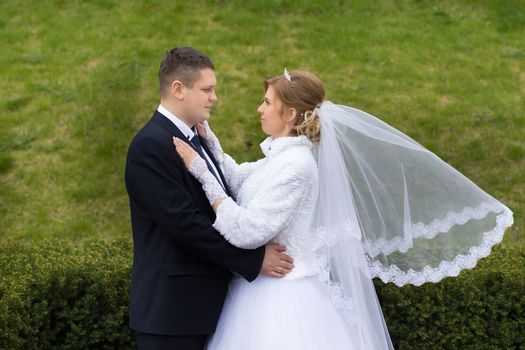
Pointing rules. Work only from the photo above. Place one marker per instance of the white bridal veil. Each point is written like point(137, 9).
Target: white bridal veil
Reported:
point(390, 208)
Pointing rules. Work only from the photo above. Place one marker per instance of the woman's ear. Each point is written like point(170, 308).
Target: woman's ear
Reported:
point(292, 114)
point(177, 89)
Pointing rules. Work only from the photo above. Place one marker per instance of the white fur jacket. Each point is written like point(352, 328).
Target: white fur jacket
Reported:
point(276, 199)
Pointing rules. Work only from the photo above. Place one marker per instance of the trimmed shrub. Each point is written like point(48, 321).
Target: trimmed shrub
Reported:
point(66, 295)
point(482, 308)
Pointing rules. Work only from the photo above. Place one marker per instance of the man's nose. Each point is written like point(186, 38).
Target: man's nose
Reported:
point(213, 97)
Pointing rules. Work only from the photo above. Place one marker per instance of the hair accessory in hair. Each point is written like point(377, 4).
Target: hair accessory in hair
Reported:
point(287, 75)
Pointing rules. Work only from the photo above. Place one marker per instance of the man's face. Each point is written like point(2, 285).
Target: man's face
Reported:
point(200, 97)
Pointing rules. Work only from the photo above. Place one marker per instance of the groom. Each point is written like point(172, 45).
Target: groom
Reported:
point(181, 264)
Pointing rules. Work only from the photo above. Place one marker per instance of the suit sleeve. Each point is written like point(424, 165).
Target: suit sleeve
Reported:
point(155, 178)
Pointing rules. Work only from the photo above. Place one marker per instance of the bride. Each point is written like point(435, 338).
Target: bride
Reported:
point(351, 198)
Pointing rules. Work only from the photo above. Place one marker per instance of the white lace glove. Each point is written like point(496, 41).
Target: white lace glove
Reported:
point(211, 141)
point(210, 185)
point(198, 168)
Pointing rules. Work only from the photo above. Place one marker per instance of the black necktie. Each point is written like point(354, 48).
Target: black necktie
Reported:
point(195, 140)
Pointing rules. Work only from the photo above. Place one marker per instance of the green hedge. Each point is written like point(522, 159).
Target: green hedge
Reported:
point(482, 308)
point(65, 295)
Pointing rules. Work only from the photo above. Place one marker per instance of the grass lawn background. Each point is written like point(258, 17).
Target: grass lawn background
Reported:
point(78, 80)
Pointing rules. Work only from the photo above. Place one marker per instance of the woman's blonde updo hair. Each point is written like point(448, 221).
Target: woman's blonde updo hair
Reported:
point(304, 92)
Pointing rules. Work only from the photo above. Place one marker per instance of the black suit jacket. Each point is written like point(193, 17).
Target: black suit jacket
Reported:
point(181, 264)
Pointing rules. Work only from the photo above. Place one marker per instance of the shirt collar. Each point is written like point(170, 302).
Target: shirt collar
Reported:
point(272, 146)
point(185, 129)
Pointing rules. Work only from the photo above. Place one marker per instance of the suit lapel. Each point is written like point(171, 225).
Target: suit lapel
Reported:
point(168, 125)
point(172, 128)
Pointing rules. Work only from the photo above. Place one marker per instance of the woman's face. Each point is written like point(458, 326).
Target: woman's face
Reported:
point(272, 120)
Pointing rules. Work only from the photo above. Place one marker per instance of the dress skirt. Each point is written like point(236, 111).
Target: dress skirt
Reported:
point(270, 314)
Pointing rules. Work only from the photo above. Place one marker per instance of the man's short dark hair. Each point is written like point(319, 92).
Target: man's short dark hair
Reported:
point(184, 64)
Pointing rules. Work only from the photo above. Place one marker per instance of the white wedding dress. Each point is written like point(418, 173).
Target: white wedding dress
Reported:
point(374, 203)
point(275, 202)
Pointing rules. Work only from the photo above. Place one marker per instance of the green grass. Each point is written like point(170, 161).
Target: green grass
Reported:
point(78, 79)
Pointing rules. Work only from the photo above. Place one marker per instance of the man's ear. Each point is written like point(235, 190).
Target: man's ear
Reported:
point(177, 89)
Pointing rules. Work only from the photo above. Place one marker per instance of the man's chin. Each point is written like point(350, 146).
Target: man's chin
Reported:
point(204, 117)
